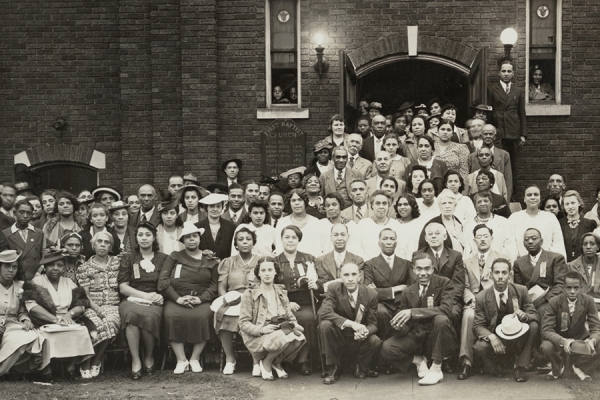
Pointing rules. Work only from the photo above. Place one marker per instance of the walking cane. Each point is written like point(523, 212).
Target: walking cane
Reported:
point(312, 300)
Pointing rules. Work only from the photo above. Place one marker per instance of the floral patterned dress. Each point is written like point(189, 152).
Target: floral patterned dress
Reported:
point(101, 280)
point(456, 157)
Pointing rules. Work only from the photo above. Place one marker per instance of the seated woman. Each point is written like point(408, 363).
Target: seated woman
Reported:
point(390, 185)
point(64, 220)
point(52, 298)
point(573, 225)
point(189, 197)
point(312, 186)
point(169, 227)
point(299, 278)
point(538, 90)
point(236, 274)
point(121, 229)
point(98, 277)
point(20, 344)
point(218, 231)
point(588, 264)
point(141, 311)
point(99, 218)
point(189, 282)
point(427, 199)
point(408, 214)
point(257, 220)
point(485, 181)
point(73, 245)
point(465, 210)
point(269, 328)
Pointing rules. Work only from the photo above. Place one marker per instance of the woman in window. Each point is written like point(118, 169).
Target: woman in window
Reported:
point(539, 90)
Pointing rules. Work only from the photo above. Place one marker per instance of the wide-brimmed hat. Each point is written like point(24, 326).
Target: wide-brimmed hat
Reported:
point(23, 187)
point(9, 256)
point(374, 105)
point(188, 228)
point(297, 170)
point(322, 144)
point(405, 106)
point(230, 302)
point(190, 177)
point(421, 107)
point(168, 205)
point(198, 189)
point(483, 107)
point(214, 198)
point(237, 161)
point(52, 256)
point(432, 116)
point(222, 187)
point(101, 189)
point(511, 328)
point(580, 347)
point(117, 205)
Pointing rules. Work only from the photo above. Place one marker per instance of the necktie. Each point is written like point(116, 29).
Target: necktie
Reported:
point(502, 303)
point(437, 261)
point(339, 177)
point(390, 261)
point(234, 218)
point(144, 218)
point(352, 302)
point(571, 308)
point(423, 293)
point(507, 88)
point(275, 223)
point(351, 162)
point(358, 213)
point(24, 234)
point(481, 262)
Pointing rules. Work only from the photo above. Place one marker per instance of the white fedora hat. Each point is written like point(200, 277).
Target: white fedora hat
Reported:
point(9, 256)
point(511, 328)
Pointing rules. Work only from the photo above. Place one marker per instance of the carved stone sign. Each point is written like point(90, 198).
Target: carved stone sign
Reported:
point(282, 147)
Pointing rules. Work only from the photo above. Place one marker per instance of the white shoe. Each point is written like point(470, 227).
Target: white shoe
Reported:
point(181, 367)
point(422, 369)
point(256, 371)
point(580, 374)
point(195, 366)
point(280, 371)
point(433, 377)
point(95, 371)
point(85, 373)
point(229, 368)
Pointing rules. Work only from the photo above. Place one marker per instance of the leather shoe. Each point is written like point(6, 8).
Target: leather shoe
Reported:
point(372, 373)
point(465, 373)
point(520, 375)
point(150, 370)
point(358, 373)
point(448, 366)
point(305, 368)
point(332, 375)
point(136, 375)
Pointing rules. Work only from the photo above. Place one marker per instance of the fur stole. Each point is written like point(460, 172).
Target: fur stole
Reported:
point(42, 297)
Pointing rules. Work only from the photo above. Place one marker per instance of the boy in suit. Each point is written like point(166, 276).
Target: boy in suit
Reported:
point(565, 322)
point(347, 319)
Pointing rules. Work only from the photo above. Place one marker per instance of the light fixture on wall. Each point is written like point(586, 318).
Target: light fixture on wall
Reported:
point(508, 37)
point(322, 64)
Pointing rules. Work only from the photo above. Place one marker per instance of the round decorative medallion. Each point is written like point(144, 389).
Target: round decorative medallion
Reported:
point(284, 16)
point(543, 12)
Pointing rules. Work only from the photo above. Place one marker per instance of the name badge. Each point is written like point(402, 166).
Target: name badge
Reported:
point(543, 270)
point(300, 268)
point(430, 302)
point(564, 321)
point(178, 271)
point(136, 271)
point(515, 302)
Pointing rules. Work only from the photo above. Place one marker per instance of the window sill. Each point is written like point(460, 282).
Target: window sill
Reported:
point(547, 109)
point(282, 113)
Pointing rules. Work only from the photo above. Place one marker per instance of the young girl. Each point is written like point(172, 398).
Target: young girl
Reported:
point(189, 197)
point(257, 221)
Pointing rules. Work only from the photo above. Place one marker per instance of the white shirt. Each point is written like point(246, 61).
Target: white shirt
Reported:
point(353, 158)
point(423, 289)
point(497, 294)
point(377, 143)
point(505, 86)
point(323, 168)
point(237, 214)
point(148, 214)
point(477, 143)
point(534, 259)
point(336, 173)
point(389, 260)
point(14, 228)
point(230, 182)
point(546, 223)
point(484, 255)
point(339, 258)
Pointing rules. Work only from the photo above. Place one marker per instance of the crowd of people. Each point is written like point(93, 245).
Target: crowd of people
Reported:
point(395, 249)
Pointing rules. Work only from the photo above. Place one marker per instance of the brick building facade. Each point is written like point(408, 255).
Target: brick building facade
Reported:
point(162, 87)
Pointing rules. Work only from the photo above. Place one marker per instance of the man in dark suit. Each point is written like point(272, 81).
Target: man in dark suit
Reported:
point(422, 324)
point(540, 268)
point(567, 319)
point(389, 275)
point(27, 240)
point(347, 321)
point(338, 179)
point(373, 144)
point(235, 210)
point(491, 306)
point(328, 265)
point(5, 222)
point(221, 245)
point(148, 212)
point(508, 116)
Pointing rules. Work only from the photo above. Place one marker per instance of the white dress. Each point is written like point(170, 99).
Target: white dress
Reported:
point(368, 231)
point(465, 210)
point(311, 242)
point(265, 239)
point(412, 231)
point(546, 223)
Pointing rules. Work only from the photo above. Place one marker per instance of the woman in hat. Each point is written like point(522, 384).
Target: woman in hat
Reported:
point(84, 198)
point(124, 233)
point(299, 277)
point(218, 232)
point(434, 122)
point(169, 228)
point(269, 328)
point(189, 197)
point(19, 342)
point(322, 160)
point(188, 280)
point(64, 221)
point(73, 245)
point(52, 298)
point(106, 195)
point(455, 155)
point(297, 201)
point(312, 186)
point(374, 109)
point(98, 277)
point(99, 219)
point(258, 221)
point(292, 179)
point(236, 274)
point(141, 312)
point(232, 169)
point(337, 135)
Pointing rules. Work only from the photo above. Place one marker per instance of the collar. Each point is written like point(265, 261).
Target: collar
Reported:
point(92, 230)
point(236, 213)
point(497, 294)
point(485, 255)
point(339, 254)
point(571, 302)
point(14, 228)
point(386, 258)
point(504, 85)
point(362, 208)
point(149, 213)
point(353, 295)
point(535, 259)
point(230, 181)
point(257, 292)
point(423, 288)
point(427, 164)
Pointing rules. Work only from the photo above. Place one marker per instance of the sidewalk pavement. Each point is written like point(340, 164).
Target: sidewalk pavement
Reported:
point(398, 386)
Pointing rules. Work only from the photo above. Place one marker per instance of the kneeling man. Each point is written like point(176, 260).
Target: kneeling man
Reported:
point(566, 322)
point(348, 322)
point(422, 324)
point(494, 339)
